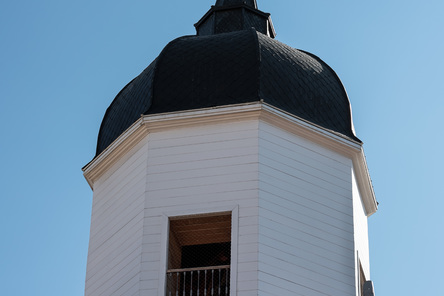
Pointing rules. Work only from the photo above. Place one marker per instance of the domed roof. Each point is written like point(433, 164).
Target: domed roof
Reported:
point(241, 66)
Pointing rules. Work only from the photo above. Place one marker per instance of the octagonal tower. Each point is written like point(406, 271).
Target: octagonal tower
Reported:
point(230, 166)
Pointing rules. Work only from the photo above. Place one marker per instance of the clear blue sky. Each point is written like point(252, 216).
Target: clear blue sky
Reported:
point(62, 62)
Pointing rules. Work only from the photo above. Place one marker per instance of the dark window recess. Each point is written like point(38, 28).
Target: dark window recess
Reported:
point(199, 256)
point(206, 255)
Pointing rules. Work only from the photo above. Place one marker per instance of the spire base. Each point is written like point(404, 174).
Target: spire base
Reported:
point(230, 16)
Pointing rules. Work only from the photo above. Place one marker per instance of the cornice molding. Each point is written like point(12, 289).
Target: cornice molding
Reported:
point(122, 145)
point(261, 111)
point(365, 183)
point(331, 140)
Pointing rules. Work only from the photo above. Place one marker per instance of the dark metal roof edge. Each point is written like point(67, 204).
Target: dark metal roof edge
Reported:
point(339, 134)
point(259, 60)
point(99, 137)
point(159, 61)
point(342, 88)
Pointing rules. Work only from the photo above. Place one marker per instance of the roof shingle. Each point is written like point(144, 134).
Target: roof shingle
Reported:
point(195, 72)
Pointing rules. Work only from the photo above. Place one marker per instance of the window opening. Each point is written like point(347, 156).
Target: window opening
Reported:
point(199, 255)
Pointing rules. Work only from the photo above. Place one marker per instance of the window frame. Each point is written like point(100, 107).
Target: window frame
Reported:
point(167, 216)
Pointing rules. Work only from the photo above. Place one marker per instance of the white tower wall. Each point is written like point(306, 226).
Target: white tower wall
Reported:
point(202, 169)
point(306, 237)
point(299, 219)
point(115, 245)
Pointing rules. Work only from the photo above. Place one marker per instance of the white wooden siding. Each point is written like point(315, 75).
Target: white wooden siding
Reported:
point(197, 168)
point(300, 218)
point(306, 234)
point(115, 248)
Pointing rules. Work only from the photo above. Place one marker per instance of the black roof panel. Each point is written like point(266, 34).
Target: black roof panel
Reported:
point(228, 62)
point(194, 72)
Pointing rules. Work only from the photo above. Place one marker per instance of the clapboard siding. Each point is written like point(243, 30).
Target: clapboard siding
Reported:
point(279, 286)
point(115, 249)
point(123, 242)
point(291, 272)
point(287, 191)
point(301, 206)
point(299, 215)
point(197, 168)
point(114, 225)
point(309, 219)
point(306, 183)
point(321, 238)
point(304, 149)
point(308, 242)
point(304, 163)
point(125, 187)
point(305, 260)
point(306, 231)
point(289, 174)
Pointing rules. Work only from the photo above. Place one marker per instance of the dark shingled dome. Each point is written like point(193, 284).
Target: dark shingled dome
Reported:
point(238, 66)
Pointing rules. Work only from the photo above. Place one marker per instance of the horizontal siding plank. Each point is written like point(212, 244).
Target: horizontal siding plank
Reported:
point(297, 259)
point(113, 278)
point(281, 270)
point(116, 219)
point(276, 181)
point(203, 172)
point(290, 175)
point(309, 243)
point(131, 225)
point(227, 180)
point(309, 203)
point(114, 266)
point(291, 163)
point(310, 154)
point(123, 286)
point(203, 134)
point(247, 158)
point(125, 193)
point(305, 228)
point(309, 218)
point(196, 194)
point(108, 259)
point(203, 129)
point(157, 155)
point(271, 285)
point(278, 135)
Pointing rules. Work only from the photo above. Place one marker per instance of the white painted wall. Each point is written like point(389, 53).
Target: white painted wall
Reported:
point(306, 243)
point(295, 234)
point(196, 169)
point(115, 246)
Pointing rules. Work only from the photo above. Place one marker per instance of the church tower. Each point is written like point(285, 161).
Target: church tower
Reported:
point(230, 166)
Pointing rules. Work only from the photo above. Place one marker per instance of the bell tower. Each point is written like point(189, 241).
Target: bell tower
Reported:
point(230, 166)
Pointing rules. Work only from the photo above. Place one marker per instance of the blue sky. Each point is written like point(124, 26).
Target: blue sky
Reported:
point(62, 62)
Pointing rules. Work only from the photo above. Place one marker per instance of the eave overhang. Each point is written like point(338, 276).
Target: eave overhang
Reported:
point(258, 110)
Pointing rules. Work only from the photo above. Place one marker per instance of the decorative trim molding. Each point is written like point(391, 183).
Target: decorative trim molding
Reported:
point(330, 140)
point(122, 145)
point(241, 112)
